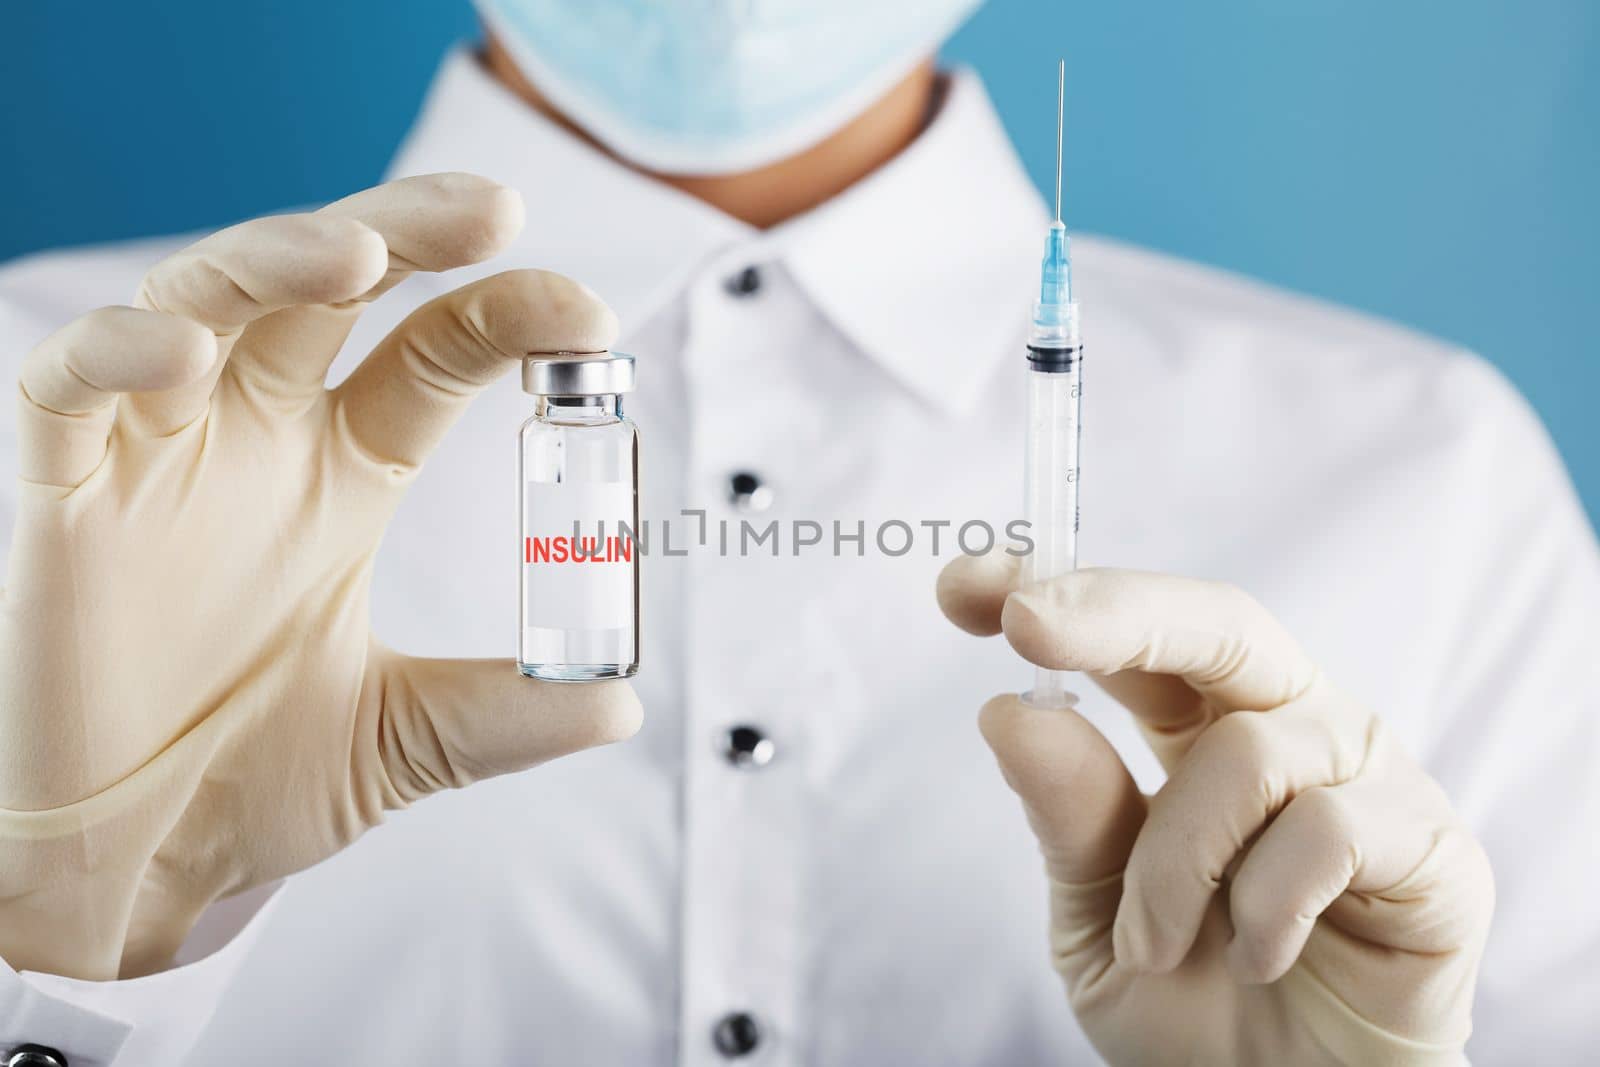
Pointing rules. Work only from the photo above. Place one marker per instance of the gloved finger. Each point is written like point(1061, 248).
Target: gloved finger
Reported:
point(1432, 889)
point(435, 222)
point(236, 276)
point(1216, 639)
point(69, 385)
point(1240, 773)
point(444, 723)
point(1085, 810)
point(972, 590)
point(418, 381)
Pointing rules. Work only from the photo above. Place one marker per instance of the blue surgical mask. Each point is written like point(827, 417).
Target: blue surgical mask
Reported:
point(717, 86)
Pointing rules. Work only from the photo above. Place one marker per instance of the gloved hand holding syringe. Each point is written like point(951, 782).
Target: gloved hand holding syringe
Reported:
point(1055, 375)
point(1298, 890)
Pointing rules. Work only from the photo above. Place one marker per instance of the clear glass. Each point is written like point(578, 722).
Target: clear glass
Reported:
point(579, 507)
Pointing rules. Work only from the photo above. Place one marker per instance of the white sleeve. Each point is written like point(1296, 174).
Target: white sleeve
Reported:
point(1518, 747)
point(141, 1022)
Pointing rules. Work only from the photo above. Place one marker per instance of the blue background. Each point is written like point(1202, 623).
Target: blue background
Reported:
point(1434, 162)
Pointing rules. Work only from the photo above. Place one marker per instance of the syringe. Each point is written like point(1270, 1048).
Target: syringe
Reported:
point(1055, 367)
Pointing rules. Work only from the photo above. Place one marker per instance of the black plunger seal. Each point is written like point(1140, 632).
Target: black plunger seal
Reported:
point(1054, 360)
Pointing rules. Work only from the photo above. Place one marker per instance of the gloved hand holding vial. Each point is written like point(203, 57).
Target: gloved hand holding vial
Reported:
point(220, 712)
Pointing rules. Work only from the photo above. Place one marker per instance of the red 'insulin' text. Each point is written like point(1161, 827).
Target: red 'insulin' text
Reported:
point(577, 550)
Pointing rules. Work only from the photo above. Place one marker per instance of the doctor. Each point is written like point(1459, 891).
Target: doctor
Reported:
point(214, 677)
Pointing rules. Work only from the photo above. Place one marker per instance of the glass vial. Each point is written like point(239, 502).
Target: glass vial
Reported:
point(579, 503)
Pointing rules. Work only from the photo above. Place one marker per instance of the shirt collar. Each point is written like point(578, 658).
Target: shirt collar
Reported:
point(925, 265)
point(928, 262)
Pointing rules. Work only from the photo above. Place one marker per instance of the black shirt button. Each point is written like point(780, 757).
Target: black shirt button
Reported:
point(746, 283)
point(748, 493)
point(737, 1034)
point(747, 747)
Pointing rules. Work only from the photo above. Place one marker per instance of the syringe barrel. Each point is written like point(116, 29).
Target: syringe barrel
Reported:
point(1051, 501)
point(1055, 387)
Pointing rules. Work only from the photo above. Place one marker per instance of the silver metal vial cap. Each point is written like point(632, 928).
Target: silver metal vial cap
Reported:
point(578, 374)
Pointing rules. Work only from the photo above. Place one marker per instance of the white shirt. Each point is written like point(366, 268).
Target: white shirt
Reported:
point(873, 895)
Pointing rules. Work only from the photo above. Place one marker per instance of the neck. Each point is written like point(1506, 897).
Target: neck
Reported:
point(768, 195)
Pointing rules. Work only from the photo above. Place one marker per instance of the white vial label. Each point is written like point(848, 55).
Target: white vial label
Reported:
point(578, 555)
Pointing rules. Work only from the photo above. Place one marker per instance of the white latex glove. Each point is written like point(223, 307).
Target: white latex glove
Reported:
point(191, 702)
point(1298, 892)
